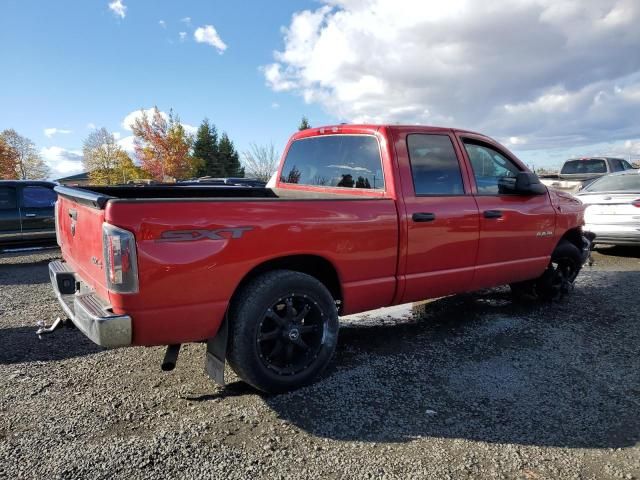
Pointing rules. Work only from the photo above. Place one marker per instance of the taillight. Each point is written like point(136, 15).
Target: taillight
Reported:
point(57, 220)
point(636, 203)
point(120, 261)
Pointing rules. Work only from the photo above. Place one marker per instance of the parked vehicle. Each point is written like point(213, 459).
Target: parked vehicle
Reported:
point(26, 211)
point(361, 217)
point(613, 208)
point(577, 173)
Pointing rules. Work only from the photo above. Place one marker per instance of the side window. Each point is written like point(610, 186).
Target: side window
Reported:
point(490, 168)
point(434, 165)
point(7, 198)
point(616, 165)
point(38, 197)
point(626, 165)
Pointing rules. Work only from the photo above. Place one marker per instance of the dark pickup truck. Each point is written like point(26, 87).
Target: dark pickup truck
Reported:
point(577, 173)
point(26, 211)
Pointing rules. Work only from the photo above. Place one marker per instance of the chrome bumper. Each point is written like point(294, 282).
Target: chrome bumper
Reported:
point(88, 312)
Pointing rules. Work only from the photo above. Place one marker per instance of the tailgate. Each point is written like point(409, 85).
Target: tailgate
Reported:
point(80, 235)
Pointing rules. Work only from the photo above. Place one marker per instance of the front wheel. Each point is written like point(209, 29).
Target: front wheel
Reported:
point(557, 280)
point(284, 330)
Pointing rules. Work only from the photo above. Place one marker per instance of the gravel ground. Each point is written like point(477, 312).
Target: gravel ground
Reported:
point(470, 386)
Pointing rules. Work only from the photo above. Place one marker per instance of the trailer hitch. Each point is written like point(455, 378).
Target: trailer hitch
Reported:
point(43, 329)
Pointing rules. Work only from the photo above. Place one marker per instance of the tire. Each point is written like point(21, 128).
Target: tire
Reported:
point(284, 331)
point(557, 280)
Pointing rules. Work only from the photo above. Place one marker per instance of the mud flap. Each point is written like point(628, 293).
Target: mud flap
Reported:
point(216, 353)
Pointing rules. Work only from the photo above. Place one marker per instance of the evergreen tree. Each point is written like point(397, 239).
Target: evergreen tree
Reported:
point(206, 150)
point(229, 157)
point(304, 124)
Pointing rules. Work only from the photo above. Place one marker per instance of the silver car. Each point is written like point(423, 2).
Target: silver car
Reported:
point(613, 208)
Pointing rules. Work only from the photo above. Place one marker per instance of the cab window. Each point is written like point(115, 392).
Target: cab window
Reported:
point(346, 161)
point(491, 169)
point(7, 198)
point(434, 165)
point(38, 197)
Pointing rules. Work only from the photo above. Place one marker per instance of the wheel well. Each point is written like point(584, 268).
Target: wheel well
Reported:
point(313, 265)
point(574, 236)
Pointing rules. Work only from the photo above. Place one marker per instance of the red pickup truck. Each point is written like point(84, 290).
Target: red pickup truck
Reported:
point(361, 217)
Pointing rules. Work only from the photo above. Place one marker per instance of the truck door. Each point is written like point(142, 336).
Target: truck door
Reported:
point(516, 231)
point(441, 216)
point(9, 216)
point(36, 208)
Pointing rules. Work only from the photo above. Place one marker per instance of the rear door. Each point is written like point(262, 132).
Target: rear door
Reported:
point(516, 231)
point(36, 208)
point(440, 213)
point(9, 214)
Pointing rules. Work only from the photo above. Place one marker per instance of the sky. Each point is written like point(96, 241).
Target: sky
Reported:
point(550, 79)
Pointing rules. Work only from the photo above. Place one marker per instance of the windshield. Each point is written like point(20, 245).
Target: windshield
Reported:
point(615, 183)
point(349, 161)
point(593, 165)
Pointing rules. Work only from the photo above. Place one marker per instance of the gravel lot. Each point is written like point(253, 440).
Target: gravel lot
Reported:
point(468, 386)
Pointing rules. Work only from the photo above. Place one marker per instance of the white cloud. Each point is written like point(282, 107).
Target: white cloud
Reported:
point(183, 36)
point(127, 143)
point(186, 20)
point(118, 8)
point(275, 105)
point(91, 126)
point(50, 132)
point(129, 120)
point(162, 23)
point(535, 73)
point(62, 162)
point(209, 35)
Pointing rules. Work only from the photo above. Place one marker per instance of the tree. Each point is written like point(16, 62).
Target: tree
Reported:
point(260, 161)
point(8, 161)
point(103, 158)
point(29, 164)
point(304, 124)
point(163, 146)
point(205, 149)
point(229, 157)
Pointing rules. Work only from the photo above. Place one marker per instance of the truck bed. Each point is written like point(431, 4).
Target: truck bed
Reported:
point(98, 196)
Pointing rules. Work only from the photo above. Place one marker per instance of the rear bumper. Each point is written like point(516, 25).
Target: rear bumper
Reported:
point(88, 312)
point(624, 236)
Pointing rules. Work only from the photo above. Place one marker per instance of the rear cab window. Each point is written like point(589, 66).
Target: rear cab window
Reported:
point(343, 161)
point(590, 165)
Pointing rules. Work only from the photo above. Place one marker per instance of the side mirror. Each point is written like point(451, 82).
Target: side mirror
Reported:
point(525, 183)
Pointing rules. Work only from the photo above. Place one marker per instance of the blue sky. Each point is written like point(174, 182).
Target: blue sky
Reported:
point(76, 63)
point(549, 78)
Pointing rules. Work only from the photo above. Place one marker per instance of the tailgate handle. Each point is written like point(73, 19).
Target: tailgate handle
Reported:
point(423, 217)
point(492, 214)
point(73, 213)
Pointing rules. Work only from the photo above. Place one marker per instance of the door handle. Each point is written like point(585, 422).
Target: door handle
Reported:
point(492, 214)
point(29, 214)
point(423, 217)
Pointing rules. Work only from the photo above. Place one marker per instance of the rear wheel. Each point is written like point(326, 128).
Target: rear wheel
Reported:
point(557, 280)
point(284, 329)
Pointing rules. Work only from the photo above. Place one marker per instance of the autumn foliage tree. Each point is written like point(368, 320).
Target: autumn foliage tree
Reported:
point(29, 164)
point(163, 146)
point(107, 162)
point(8, 161)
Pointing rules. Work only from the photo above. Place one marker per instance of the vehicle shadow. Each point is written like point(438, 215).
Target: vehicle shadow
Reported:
point(482, 368)
point(22, 345)
point(618, 251)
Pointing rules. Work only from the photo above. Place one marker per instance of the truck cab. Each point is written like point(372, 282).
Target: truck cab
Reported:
point(26, 211)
